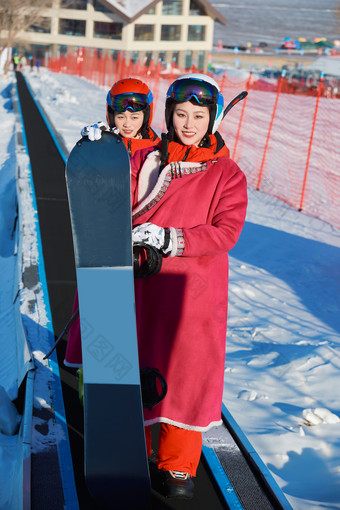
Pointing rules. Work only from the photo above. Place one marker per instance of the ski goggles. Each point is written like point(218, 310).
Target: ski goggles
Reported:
point(133, 101)
point(204, 93)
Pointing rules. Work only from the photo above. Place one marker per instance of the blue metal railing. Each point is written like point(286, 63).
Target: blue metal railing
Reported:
point(66, 469)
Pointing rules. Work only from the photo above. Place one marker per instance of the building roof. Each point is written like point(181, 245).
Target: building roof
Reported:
point(132, 9)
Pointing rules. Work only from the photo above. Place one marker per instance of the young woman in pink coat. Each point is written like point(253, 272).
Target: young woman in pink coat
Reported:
point(189, 201)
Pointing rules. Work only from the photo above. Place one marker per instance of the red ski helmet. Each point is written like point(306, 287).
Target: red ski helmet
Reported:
point(130, 94)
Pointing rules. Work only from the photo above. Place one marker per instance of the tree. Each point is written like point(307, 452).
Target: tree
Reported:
point(16, 16)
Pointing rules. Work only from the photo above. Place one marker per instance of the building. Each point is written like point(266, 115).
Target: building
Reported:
point(178, 31)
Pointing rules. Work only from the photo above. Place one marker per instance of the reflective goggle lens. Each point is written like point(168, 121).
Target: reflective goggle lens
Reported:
point(134, 101)
point(183, 90)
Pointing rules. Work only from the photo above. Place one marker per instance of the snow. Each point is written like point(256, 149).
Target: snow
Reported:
point(328, 65)
point(9, 418)
point(282, 374)
point(7, 258)
point(272, 21)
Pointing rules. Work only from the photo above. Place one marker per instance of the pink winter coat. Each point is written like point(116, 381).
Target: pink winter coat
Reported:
point(182, 311)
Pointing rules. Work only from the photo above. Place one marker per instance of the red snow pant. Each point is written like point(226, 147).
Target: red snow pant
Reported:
point(178, 449)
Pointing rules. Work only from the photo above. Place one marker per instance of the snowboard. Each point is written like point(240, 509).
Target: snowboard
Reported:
point(99, 194)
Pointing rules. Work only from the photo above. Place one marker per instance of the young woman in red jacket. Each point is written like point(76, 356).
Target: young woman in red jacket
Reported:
point(189, 201)
point(129, 112)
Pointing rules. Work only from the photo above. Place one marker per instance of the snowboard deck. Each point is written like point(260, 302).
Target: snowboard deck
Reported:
point(98, 185)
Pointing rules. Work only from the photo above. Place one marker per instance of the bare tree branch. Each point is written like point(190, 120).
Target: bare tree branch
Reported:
point(16, 16)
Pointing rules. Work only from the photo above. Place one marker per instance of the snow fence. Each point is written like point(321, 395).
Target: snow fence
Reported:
point(284, 135)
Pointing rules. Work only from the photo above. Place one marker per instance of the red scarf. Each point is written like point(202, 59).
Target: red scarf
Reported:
point(135, 144)
point(180, 152)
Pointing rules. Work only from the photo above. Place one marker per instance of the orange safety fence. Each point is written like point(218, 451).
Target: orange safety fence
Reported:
point(284, 137)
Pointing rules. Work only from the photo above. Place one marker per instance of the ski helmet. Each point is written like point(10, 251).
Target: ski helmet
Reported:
point(201, 89)
point(129, 94)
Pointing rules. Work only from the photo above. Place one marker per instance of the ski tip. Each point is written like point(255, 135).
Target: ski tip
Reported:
point(240, 97)
point(234, 101)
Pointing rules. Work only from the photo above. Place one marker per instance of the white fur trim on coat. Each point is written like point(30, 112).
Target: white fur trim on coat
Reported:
point(183, 425)
point(149, 175)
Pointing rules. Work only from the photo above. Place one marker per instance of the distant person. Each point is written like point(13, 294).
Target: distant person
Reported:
point(16, 62)
point(38, 64)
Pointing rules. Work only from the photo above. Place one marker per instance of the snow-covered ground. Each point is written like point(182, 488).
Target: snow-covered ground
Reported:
point(272, 21)
point(282, 374)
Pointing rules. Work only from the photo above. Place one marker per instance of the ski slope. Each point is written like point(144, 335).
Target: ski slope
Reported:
point(282, 374)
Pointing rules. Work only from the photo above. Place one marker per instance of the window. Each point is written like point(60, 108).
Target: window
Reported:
point(151, 11)
point(144, 32)
point(161, 57)
point(196, 9)
point(62, 49)
point(100, 7)
point(173, 7)
point(200, 65)
point(196, 33)
point(107, 30)
point(79, 5)
point(147, 59)
point(171, 33)
point(188, 59)
point(42, 25)
point(134, 56)
point(39, 50)
point(72, 27)
point(175, 56)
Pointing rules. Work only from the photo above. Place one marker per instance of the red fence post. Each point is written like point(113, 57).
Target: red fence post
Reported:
point(241, 117)
point(270, 128)
point(223, 83)
point(104, 70)
point(311, 141)
point(157, 75)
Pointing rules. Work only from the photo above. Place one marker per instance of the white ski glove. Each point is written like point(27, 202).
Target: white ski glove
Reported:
point(94, 131)
point(158, 237)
